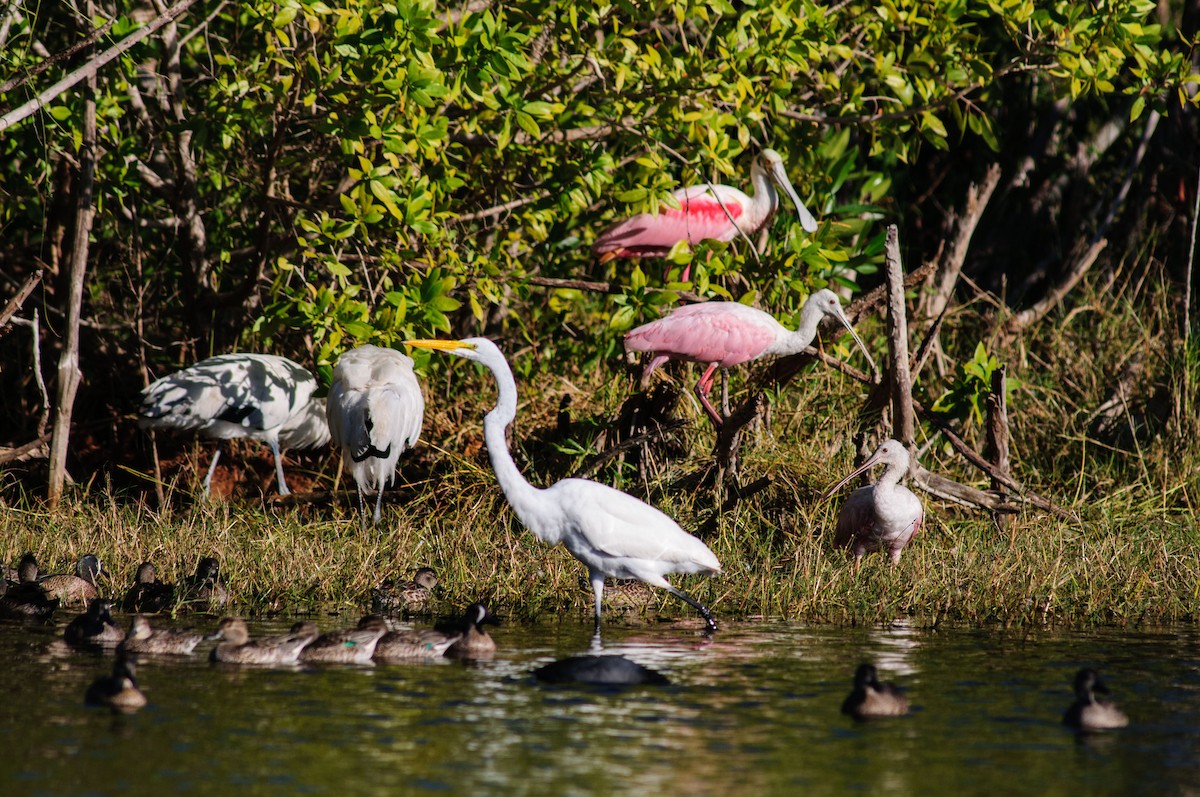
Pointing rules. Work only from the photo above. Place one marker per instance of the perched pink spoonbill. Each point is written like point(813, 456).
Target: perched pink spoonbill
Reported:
point(883, 516)
point(723, 334)
point(610, 532)
point(718, 211)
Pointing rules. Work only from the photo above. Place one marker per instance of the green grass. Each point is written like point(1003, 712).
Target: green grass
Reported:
point(1129, 555)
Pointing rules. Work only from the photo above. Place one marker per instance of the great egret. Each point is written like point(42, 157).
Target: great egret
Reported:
point(375, 413)
point(870, 698)
point(725, 334)
point(883, 516)
point(260, 396)
point(1091, 713)
point(610, 532)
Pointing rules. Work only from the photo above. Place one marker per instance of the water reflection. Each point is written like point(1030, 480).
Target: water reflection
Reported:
point(751, 710)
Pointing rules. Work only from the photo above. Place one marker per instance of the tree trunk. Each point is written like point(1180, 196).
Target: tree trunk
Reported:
point(69, 374)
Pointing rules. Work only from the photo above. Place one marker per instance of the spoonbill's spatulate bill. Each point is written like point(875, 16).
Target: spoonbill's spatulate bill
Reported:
point(610, 532)
point(724, 334)
point(260, 396)
point(883, 516)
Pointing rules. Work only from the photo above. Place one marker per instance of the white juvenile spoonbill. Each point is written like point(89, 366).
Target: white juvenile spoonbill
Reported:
point(720, 212)
point(724, 334)
point(610, 532)
point(883, 516)
point(375, 414)
point(261, 396)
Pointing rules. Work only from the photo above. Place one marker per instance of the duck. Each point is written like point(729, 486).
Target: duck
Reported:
point(76, 588)
point(346, 646)
point(23, 599)
point(142, 638)
point(870, 698)
point(399, 597)
point(95, 627)
point(148, 595)
point(118, 691)
point(26, 572)
point(236, 647)
point(475, 642)
point(1091, 713)
point(205, 587)
point(408, 644)
point(600, 671)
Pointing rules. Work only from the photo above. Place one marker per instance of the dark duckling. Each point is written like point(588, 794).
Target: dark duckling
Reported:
point(118, 691)
point(95, 627)
point(148, 595)
point(870, 698)
point(599, 671)
point(475, 642)
point(1091, 713)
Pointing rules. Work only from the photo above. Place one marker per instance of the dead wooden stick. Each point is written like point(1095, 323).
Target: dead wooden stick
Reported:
point(18, 298)
point(903, 421)
point(951, 264)
point(997, 429)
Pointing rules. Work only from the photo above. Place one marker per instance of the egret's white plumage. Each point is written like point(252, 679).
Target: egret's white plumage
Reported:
point(610, 532)
point(260, 396)
point(375, 412)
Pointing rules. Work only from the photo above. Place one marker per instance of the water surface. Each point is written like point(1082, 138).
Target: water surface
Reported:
point(754, 710)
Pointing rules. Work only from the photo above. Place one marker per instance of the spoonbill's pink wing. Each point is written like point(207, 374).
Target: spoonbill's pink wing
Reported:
point(726, 333)
point(652, 235)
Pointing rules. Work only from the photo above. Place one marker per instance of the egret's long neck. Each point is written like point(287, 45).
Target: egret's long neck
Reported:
point(793, 342)
point(522, 496)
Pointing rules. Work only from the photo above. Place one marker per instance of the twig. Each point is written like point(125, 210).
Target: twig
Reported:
point(951, 265)
point(92, 67)
point(18, 299)
point(903, 423)
point(595, 463)
point(45, 64)
point(1187, 282)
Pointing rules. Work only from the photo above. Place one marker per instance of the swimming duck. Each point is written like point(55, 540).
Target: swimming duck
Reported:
point(347, 646)
point(475, 642)
point(599, 671)
point(24, 600)
point(26, 572)
point(148, 594)
point(75, 588)
point(236, 646)
point(204, 587)
point(95, 626)
point(118, 691)
point(409, 644)
point(142, 638)
point(412, 596)
point(870, 698)
point(1088, 712)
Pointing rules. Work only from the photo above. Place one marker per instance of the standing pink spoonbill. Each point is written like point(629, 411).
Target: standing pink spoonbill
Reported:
point(705, 211)
point(724, 334)
point(883, 516)
point(610, 532)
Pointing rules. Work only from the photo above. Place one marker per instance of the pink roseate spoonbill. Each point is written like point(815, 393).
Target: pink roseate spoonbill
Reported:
point(719, 211)
point(724, 334)
point(261, 396)
point(610, 532)
point(375, 414)
point(883, 516)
